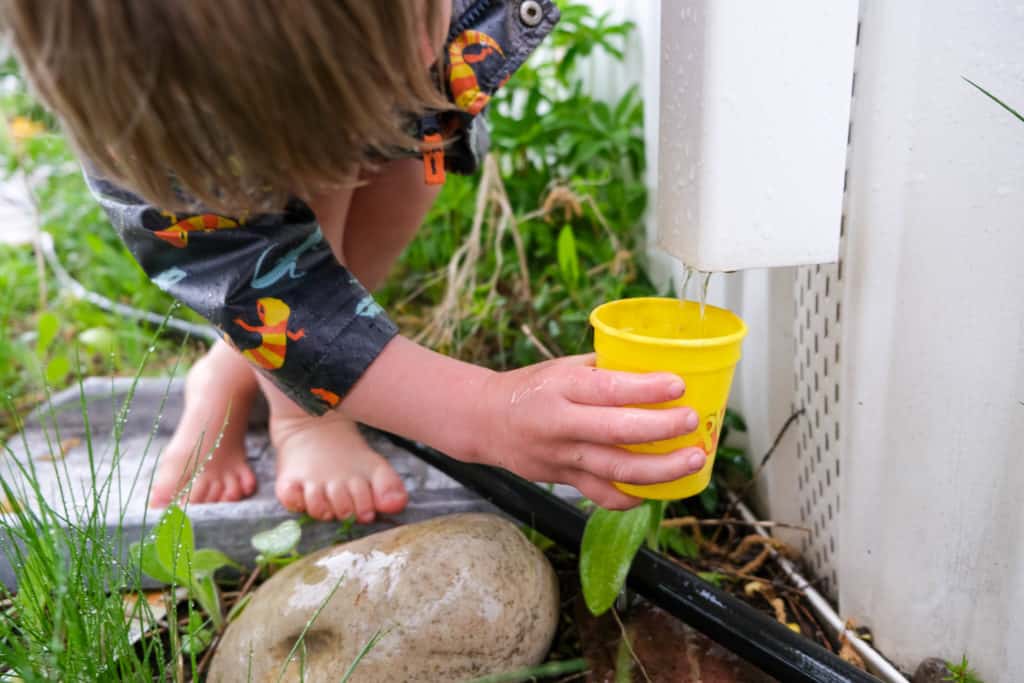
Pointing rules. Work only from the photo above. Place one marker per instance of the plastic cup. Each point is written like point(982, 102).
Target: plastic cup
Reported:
point(668, 335)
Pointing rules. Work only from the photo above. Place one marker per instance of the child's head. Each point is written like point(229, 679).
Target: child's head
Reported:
point(239, 100)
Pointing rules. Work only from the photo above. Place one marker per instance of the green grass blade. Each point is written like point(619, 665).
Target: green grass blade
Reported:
point(309, 624)
point(995, 99)
point(370, 644)
point(569, 666)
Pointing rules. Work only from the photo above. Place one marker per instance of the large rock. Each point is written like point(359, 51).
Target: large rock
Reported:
point(458, 597)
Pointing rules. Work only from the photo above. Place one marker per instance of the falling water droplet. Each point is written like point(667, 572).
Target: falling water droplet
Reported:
point(686, 283)
point(704, 300)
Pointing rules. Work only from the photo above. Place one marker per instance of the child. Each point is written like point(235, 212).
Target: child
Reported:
point(293, 150)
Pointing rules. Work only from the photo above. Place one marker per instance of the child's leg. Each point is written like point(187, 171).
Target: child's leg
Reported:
point(324, 465)
point(220, 383)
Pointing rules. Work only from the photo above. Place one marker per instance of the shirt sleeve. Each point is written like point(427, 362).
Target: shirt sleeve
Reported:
point(487, 42)
point(269, 283)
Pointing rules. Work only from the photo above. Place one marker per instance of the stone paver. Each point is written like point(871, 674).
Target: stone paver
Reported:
point(149, 423)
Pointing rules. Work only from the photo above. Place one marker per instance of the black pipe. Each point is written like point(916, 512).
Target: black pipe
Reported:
point(731, 623)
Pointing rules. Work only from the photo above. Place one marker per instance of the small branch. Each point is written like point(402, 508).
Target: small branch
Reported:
point(764, 461)
point(536, 342)
point(629, 646)
point(689, 521)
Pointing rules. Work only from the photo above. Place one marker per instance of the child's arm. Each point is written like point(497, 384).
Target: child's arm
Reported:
point(558, 421)
point(258, 280)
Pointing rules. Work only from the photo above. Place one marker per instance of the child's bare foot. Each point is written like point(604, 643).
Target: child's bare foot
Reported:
point(326, 469)
point(220, 382)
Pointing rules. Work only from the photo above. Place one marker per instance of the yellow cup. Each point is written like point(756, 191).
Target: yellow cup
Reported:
point(668, 335)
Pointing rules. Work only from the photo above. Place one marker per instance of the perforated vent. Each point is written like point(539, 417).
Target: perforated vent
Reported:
point(818, 316)
point(818, 292)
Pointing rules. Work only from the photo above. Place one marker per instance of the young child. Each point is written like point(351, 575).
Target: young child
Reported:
point(266, 163)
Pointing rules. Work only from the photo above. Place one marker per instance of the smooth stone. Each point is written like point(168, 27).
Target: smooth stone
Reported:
point(458, 597)
point(932, 670)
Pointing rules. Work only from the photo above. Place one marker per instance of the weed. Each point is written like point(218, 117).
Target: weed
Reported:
point(962, 672)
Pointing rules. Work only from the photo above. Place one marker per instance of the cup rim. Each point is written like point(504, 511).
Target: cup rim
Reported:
point(722, 340)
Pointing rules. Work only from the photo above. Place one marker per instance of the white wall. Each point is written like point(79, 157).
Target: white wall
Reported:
point(931, 530)
point(932, 527)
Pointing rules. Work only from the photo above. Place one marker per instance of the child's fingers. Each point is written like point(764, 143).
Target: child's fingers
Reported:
point(603, 493)
point(617, 426)
point(592, 386)
point(615, 464)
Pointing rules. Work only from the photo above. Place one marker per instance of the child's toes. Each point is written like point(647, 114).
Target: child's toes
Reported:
point(160, 496)
point(341, 501)
point(198, 490)
point(214, 493)
point(247, 481)
point(362, 497)
point(289, 494)
point(232, 488)
point(316, 501)
point(389, 492)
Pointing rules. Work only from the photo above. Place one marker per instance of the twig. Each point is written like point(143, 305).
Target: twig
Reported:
point(428, 281)
point(764, 541)
point(774, 583)
point(688, 521)
point(536, 342)
point(462, 266)
point(764, 461)
point(248, 583)
point(208, 655)
point(797, 606)
point(629, 646)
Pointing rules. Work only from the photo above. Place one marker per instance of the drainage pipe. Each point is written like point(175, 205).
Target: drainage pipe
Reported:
point(738, 627)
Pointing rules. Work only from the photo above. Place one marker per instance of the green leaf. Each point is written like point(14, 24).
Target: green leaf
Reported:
point(714, 578)
point(679, 542)
point(57, 369)
point(46, 329)
point(568, 257)
point(733, 420)
point(206, 561)
point(610, 542)
point(98, 340)
point(204, 591)
point(175, 544)
point(280, 540)
point(144, 554)
point(734, 459)
point(197, 636)
point(709, 498)
point(239, 607)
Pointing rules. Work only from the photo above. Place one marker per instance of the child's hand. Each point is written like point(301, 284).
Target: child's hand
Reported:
point(561, 421)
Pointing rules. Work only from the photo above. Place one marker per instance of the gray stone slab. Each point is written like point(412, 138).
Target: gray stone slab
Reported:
point(124, 466)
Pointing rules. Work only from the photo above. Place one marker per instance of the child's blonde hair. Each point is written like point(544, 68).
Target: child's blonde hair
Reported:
point(241, 102)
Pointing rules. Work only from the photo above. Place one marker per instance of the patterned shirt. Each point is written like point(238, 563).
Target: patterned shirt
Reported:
point(270, 283)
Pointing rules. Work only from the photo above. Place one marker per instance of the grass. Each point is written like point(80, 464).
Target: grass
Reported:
point(67, 620)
